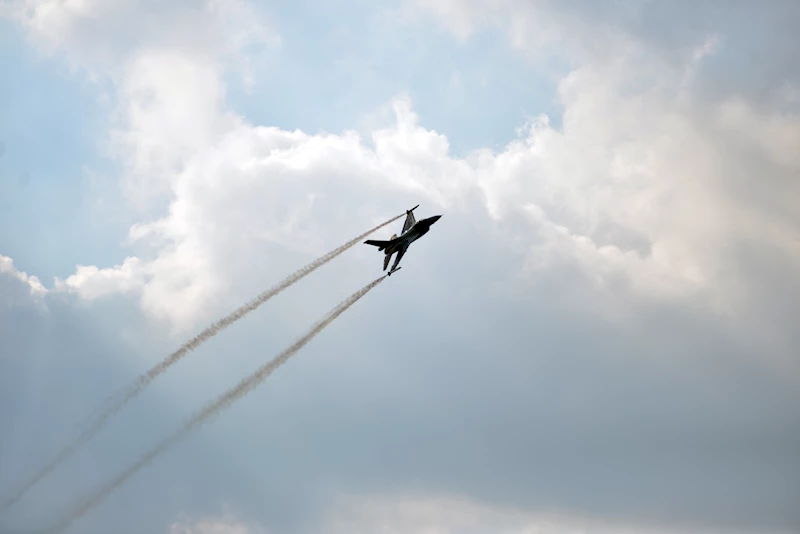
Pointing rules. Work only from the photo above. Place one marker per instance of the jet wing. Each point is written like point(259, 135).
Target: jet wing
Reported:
point(380, 243)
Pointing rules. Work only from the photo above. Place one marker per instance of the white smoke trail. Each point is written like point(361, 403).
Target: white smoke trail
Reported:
point(213, 409)
point(120, 399)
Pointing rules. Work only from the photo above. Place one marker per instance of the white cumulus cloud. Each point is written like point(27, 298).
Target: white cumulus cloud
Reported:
point(214, 525)
point(90, 282)
point(7, 267)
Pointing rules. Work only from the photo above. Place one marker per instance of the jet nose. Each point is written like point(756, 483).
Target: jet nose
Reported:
point(435, 218)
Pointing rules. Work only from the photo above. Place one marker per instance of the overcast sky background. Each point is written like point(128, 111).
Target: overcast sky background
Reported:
point(599, 336)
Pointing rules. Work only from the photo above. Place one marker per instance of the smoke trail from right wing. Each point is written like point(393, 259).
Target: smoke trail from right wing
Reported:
point(117, 401)
point(213, 409)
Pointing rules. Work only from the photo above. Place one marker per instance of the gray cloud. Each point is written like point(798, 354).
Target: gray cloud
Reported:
point(757, 45)
point(668, 420)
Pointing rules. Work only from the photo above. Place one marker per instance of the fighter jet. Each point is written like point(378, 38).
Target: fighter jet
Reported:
point(412, 230)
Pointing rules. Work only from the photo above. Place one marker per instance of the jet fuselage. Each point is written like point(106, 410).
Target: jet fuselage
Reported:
point(419, 229)
point(412, 230)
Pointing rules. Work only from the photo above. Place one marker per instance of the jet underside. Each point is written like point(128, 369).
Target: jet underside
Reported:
point(412, 230)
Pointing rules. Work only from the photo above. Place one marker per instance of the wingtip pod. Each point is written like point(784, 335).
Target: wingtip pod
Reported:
point(412, 209)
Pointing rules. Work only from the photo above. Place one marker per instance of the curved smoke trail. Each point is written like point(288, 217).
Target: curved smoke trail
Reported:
point(213, 409)
point(117, 401)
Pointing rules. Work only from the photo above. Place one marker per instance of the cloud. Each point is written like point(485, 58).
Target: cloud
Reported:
point(438, 514)
point(657, 175)
point(613, 210)
point(33, 283)
point(776, 136)
point(754, 46)
point(432, 515)
point(606, 316)
point(90, 283)
point(214, 525)
point(228, 29)
point(166, 71)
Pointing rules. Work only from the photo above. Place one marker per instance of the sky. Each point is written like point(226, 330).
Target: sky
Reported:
point(599, 336)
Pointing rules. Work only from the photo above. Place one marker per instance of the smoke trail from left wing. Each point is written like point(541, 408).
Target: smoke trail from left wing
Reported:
point(213, 409)
point(120, 399)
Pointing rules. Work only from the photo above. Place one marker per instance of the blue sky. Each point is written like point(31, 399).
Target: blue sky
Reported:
point(52, 123)
point(361, 57)
point(598, 336)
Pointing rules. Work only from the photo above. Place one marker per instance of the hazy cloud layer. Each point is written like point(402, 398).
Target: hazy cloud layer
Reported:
point(597, 337)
